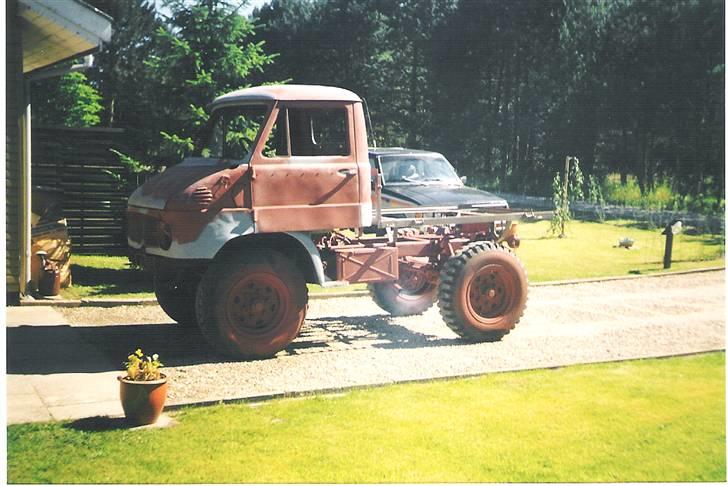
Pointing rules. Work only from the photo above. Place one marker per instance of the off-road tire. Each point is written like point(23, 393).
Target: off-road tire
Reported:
point(252, 305)
point(483, 291)
point(394, 299)
point(177, 299)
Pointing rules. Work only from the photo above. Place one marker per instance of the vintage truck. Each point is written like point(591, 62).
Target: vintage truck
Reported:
point(278, 195)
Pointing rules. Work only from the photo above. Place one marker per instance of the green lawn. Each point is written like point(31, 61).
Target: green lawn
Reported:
point(588, 251)
point(648, 420)
point(98, 276)
point(591, 250)
point(105, 276)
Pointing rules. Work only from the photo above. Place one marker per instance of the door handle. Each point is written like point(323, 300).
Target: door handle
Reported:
point(347, 172)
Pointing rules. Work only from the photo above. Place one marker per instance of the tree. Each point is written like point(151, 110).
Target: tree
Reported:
point(492, 85)
point(121, 74)
point(204, 50)
point(329, 42)
point(69, 101)
point(507, 89)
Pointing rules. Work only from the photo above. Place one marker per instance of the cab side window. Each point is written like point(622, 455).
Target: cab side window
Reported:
point(309, 132)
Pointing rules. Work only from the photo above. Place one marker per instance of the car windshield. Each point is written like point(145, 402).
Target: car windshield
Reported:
point(418, 169)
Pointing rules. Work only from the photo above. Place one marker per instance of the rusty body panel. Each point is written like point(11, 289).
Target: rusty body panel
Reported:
point(312, 192)
point(186, 234)
point(374, 264)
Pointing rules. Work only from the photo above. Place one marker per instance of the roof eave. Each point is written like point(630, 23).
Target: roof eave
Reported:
point(59, 30)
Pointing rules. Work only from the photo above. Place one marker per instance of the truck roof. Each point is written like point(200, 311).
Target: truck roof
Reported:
point(384, 151)
point(286, 92)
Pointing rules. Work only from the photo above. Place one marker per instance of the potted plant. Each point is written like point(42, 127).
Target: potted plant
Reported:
point(144, 389)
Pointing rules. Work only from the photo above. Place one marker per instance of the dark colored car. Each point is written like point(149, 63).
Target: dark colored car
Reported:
point(413, 178)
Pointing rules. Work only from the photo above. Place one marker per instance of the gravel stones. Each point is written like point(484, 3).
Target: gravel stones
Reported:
point(348, 342)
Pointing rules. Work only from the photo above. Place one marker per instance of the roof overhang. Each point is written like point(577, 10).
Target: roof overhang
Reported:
point(57, 30)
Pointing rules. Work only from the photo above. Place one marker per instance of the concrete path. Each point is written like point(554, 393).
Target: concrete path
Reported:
point(58, 370)
point(41, 336)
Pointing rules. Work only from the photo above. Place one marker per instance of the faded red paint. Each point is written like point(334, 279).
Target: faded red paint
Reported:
point(284, 193)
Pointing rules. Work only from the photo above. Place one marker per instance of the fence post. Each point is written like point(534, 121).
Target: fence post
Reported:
point(674, 227)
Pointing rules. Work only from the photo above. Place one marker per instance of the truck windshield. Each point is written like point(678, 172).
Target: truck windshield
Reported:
point(418, 169)
point(232, 132)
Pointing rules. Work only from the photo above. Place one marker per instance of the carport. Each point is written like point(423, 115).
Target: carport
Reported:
point(43, 38)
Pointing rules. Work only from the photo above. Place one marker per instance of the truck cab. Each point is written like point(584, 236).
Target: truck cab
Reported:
point(246, 175)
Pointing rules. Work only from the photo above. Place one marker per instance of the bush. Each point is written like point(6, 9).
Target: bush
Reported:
point(660, 197)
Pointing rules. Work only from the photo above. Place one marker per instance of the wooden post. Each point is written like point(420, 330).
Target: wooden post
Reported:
point(671, 229)
point(565, 200)
point(667, 258)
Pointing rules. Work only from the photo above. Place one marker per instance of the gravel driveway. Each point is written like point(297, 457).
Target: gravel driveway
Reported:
point(351, 342)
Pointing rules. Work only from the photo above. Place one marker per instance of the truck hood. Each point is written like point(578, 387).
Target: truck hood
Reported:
point(157, 191)
point(443, 195)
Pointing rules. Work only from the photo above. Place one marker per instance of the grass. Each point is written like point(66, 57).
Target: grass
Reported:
point(106, 276)
point(98, 276)
point(588, 251)
point(647, 420)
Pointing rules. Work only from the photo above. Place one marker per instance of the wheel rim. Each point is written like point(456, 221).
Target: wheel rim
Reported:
point(257, 304)
point(491, 293)
point(412, 283)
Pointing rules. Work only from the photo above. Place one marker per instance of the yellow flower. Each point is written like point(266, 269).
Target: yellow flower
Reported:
point(138, 352)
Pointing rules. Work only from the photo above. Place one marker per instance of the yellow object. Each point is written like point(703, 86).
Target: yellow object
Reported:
point(54, 240)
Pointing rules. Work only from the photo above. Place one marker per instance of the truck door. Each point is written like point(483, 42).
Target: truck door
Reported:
point(305, 175)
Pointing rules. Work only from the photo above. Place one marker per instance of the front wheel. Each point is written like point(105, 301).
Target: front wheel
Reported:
point(252, 305)
point(412, 294)
point(483, 292)
point(177, 299)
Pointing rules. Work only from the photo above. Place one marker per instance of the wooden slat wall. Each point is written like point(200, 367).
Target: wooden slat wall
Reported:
point(13, 112)
point(74, 160)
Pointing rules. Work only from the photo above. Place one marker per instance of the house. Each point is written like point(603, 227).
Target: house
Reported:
point(43, 37)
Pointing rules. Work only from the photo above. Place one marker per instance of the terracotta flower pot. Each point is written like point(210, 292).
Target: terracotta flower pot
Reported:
point(143, 401)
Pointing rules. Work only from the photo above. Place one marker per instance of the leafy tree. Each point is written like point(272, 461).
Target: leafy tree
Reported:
point(69, 101)
point(121, 71)
point(596, 195)
point(204, 50)
point(122, 76)
point(493, 77)
point(329, 42)
point(565, 194)
point(505, 89)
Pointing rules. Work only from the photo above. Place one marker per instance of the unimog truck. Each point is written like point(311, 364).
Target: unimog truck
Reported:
point(280, 193)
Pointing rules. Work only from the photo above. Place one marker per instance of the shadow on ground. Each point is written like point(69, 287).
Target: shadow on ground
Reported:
point(99, 424)
point(66, 349)
point(378, 331)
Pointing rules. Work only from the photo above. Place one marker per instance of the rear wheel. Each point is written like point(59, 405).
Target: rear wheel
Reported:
point(483, 292)
point(253, 305)
point(177, 299)
point(412, 294)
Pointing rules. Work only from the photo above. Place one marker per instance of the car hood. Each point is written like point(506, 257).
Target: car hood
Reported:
point(443, 195)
